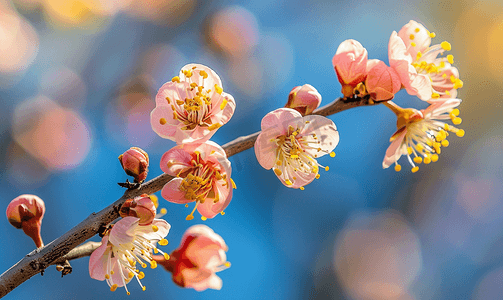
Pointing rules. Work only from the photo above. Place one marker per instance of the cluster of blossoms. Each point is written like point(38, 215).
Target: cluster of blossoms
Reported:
point(420, 68)
point(189, 110)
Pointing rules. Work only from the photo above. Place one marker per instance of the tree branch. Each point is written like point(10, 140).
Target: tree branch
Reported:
point(59, 250)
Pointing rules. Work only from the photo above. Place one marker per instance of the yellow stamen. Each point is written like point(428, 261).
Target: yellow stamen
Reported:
point(446, 45)
point(450, 58)
point(332, 154)
point(288, 182)
point(415, 169)
point(223, 104)
point(233, 184)
point(214, 126)
point(434, 158)
point(163, 242)
point(413, 44)
point(203, 74)
point(175, 79)
point(166, 256)
point(164, 211)
point(113, 288)
point(218, 89)
point(460, 133)
point(445, 143)
point(398, 168)
point(417, 29)
point(301, 188)
point(162, 121)
point(141, 275)
point(432, 34)
point(411, 36)
point(418, 160)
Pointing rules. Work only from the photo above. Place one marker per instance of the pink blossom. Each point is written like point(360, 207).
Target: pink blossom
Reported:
point(290, 144)
point(192, 106)
point(203, 175)
point(382, 82)
point(135, 162)
point(141, 207)
point(350, 64)
point(26, 212)
point(128, 243)
point(414, 41)
point(304, 99)
point(201, 254)
point(422, 133)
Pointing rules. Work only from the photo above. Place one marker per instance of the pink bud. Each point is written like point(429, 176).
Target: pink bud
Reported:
point(135, 162)
point(27, 212)
point(141, 207)
point(350, 63)
point(382, 82)
point(200, 255)
point(304, 99)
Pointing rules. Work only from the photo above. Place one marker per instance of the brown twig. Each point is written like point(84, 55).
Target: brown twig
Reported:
point(57, 251)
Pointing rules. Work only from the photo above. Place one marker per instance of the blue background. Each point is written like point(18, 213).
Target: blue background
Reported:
point(282, 242)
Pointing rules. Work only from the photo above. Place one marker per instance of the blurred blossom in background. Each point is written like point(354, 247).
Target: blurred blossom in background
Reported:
point(77, 84)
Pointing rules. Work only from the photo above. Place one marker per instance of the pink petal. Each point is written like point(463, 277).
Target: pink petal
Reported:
point(122, 232)
point(98, 260)
point(157, 118)
point(178, 159)
point(148, 232)
point(171, 192)
point(203, 230)
point(209, 209)
point(217, 114)
point(208, 83)
point(174, 91)
point(325, 130)
point(279, 119)
point(422, 38)
point(265, 150)
point(393, 152)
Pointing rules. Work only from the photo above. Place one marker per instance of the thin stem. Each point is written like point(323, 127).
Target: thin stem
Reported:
point(54, 252)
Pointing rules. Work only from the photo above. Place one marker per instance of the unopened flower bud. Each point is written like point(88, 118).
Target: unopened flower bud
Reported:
point(26, 212)
point(135, 162)
point(382, 82)
point(304, 99)
point(350, 64)
point(141, 207)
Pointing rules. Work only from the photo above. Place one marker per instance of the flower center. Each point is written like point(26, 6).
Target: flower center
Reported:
point(291, 156)
point(199, 182)
point(195, 109)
